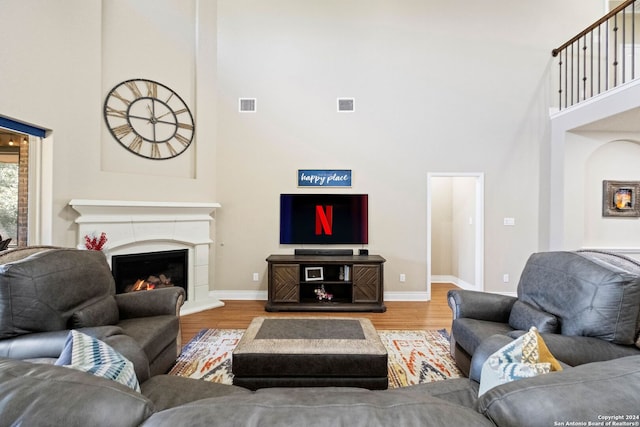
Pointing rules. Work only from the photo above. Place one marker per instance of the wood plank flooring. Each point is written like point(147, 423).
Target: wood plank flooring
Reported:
point(434, 314)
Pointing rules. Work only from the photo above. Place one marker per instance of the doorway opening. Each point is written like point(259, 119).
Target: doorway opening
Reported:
point(14, 190)
point(26, 151)
point(455, 230)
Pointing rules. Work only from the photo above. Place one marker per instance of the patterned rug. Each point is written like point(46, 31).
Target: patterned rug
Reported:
point(415, 357)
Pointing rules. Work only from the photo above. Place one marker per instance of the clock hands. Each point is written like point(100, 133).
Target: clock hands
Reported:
point(165, 114)
point(153, 119)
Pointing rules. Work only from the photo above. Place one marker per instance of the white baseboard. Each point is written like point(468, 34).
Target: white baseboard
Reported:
point(455, 280)
point(406, 296)
point(239, 295)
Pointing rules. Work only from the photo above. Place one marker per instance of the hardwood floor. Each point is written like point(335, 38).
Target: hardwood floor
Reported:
point(434, 314)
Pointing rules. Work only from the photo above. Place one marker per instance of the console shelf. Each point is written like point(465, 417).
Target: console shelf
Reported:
point(325, 283)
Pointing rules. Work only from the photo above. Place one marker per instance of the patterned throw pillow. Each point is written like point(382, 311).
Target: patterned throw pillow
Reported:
point(93, 356)
point(526, 357)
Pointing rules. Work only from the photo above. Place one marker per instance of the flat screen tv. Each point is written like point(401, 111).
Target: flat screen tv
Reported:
point(324, 219)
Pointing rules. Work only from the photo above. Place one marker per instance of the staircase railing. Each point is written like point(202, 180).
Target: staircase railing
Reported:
point(603, 56)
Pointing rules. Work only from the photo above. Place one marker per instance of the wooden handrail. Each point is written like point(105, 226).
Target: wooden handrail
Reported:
point(591, 27)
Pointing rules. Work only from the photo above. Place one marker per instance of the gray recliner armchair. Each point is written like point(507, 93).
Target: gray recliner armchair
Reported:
point(586, 305)
point(45, 292)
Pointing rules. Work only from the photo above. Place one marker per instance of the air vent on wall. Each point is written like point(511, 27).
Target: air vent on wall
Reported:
point(247, 105)
point(346, 105)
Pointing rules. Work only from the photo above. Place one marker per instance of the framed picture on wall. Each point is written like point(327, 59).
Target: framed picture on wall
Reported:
point(621, 198)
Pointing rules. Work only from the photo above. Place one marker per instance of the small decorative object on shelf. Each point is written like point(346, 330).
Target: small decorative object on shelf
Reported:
point(322, 294)
point(94, 243)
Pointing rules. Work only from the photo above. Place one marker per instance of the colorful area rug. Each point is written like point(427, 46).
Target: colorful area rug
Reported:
point(415, 357)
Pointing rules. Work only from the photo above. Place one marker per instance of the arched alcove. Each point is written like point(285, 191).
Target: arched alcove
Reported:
point(615, 160)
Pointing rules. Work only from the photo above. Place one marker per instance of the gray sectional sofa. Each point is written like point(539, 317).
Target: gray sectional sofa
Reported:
point(42, 394)
point(45, 395)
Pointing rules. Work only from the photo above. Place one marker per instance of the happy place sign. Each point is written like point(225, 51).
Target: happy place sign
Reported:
point(324, 178)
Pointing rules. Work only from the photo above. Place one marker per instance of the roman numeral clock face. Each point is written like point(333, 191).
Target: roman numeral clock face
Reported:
point(149, 119)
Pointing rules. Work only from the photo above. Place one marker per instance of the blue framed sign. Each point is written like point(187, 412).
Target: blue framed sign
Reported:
point(324, 177)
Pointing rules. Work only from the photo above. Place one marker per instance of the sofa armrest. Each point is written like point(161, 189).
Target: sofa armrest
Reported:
point(34, 346)
point(42, 345)
point(586, 393)
point(578, 350)
point(480, 305)
point(151, 303)
point(487, 347)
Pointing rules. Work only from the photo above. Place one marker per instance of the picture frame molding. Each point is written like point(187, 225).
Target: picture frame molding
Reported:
point(609, 190)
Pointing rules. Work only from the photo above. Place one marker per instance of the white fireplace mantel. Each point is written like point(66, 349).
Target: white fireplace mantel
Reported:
point(134, 227)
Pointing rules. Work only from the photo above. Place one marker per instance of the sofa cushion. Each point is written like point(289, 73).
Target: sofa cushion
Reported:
point(169, 391)
point(592, 294)
point(461, 391)
point(102, 312)
point(584, 394)
point(524, 316)
point(41, 292)
point(91, 355)
point(320, 406)
point(525, 357)
point(46, 395)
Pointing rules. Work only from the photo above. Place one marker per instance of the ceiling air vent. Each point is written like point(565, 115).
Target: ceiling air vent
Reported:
point(346, 105)
point(247, 105)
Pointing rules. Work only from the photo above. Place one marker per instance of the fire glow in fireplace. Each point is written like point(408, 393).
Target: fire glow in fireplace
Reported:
point(151, 270)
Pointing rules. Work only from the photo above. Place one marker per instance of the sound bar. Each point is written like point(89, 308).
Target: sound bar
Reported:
point(325, 252)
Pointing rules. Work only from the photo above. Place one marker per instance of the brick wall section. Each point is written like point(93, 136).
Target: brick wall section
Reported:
point(23, 195)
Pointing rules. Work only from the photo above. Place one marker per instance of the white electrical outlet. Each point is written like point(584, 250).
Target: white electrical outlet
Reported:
point(509, 221)
point(256, 277)
point(505, 278)
point(403, 277)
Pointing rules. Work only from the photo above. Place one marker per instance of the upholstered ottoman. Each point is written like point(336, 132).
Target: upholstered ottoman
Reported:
point(310, 352)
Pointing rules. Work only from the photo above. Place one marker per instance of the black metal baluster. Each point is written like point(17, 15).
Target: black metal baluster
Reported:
point(584, 68)
point(633, 40)
point(606, 58)
point(624, 47)
point(566, 78)
point(599, 58)
point(615, 51)
point(560, 83)
point(591, 65)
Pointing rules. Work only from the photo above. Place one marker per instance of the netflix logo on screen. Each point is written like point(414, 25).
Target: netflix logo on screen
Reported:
point(324, 218)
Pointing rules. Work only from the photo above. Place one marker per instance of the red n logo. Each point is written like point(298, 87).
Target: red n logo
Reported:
point(324, 220)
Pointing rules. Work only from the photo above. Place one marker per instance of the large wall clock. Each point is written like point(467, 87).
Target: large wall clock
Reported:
point(149, 119)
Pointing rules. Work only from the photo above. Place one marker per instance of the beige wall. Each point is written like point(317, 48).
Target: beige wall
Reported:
point(439, 86)
point(464, 229)
point(441, 226)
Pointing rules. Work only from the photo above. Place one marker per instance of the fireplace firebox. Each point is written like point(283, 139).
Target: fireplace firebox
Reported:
point(151, 270)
